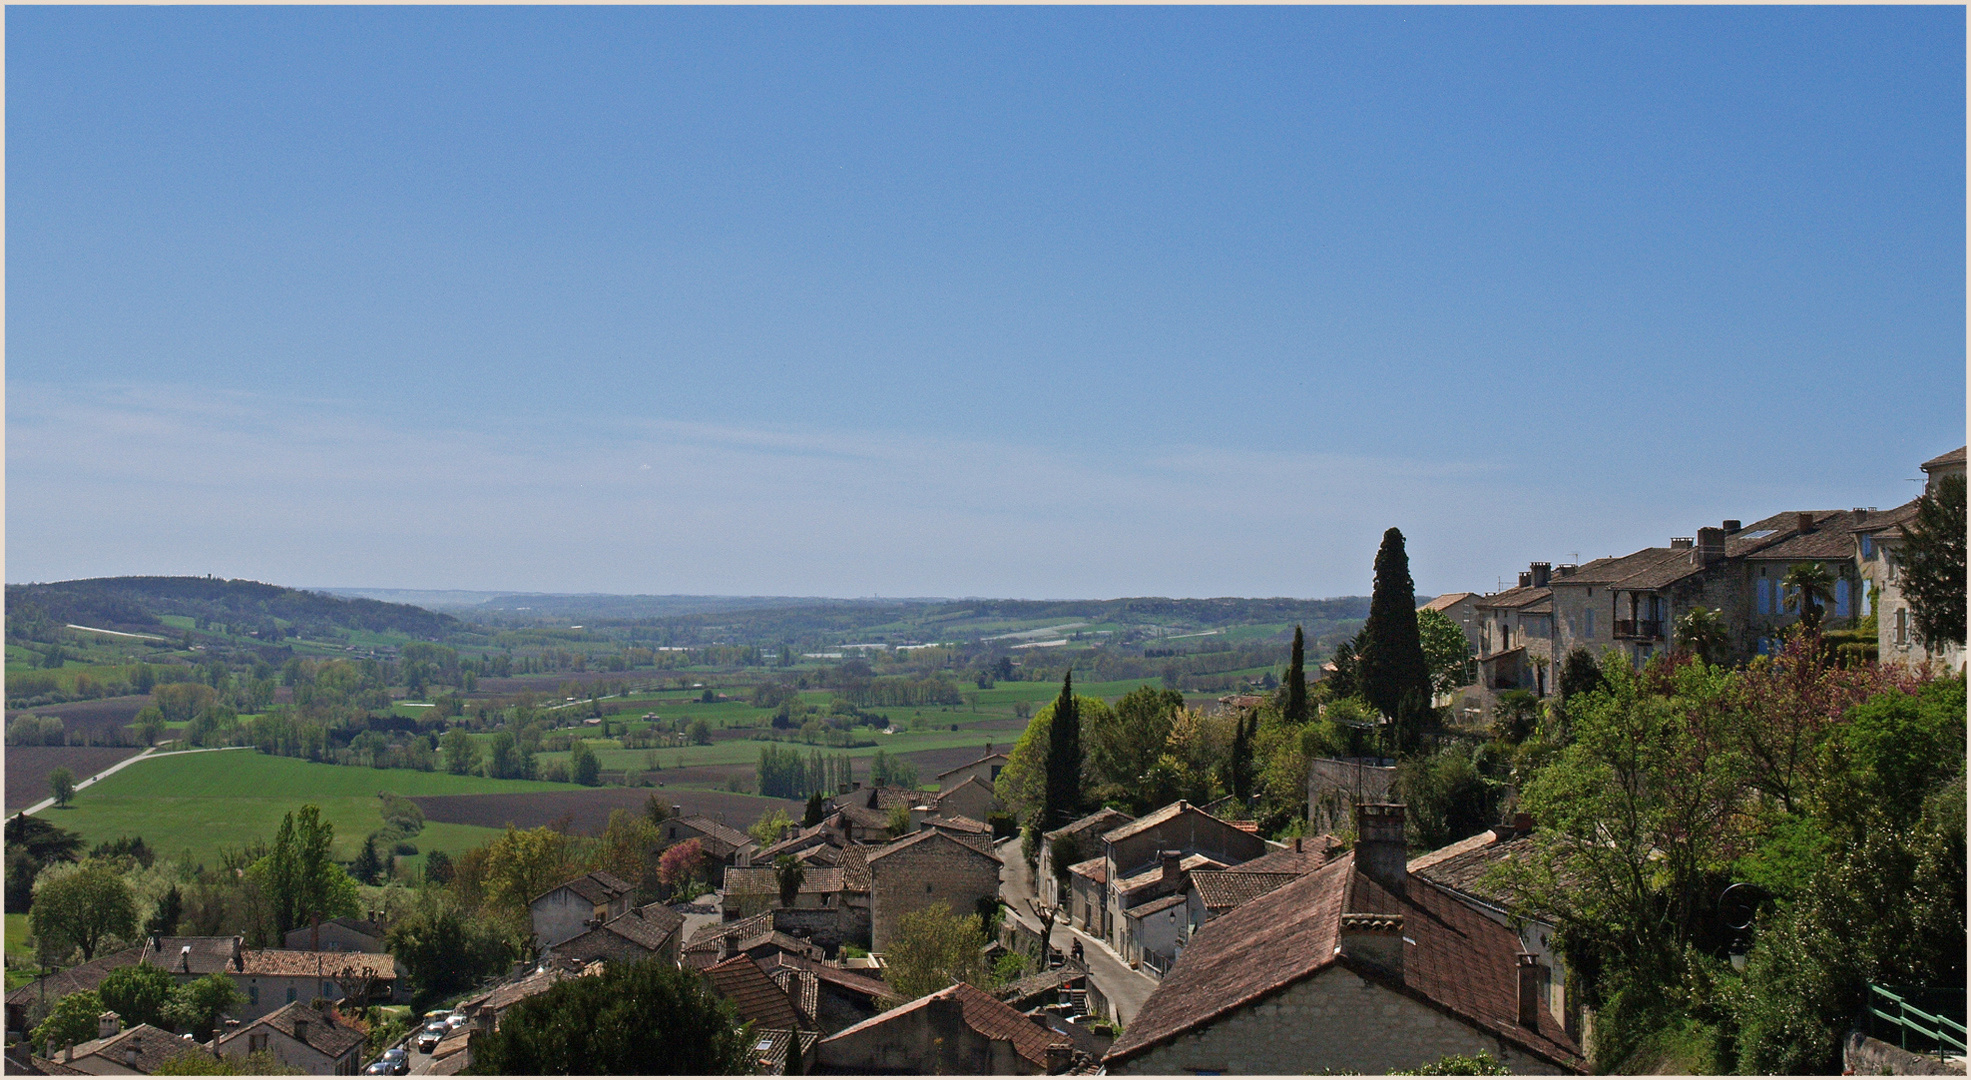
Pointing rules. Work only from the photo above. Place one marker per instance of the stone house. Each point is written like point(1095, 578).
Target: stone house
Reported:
point(757, 936)
point(86, 976)
point(923, 869)
point(118, 1050)
point(724, 845)
point(985, 769)
point(757, 998)
point(1460, 608)
point(1877, 541)
point(1086, 837)
point(1516, 633)
point(638, 934)
point(301, 1036)
point(1215, 892)
point(970, 798)
point(338, 935)
point(576, 905)
point(958, 1030)
point(1355, 967)
point(272, 978)
point(1137, 868)
point(1151, 910)
point(487, 1008)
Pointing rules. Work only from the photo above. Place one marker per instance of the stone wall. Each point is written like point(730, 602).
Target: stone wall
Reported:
point(829, 928)
point(1866, 1056)
point(1335, 1022)
point(931, 871)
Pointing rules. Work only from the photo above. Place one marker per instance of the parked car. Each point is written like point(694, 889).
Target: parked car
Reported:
point(433, 1034)
point(457, 1020)
point(398, 1061)
point(378, 1068)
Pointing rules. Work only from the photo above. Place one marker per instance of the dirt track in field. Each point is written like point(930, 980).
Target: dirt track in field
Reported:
point(28, 768)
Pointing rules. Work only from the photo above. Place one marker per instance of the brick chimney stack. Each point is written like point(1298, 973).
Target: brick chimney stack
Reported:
point(108, 1024)
point(1541, 574)
point(1380, 853)
point(1804, 521)
point(1374, 939)
point(1710, 547)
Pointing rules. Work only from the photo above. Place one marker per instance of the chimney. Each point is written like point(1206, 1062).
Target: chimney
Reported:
point(1172, 865)
point(1542, 573)
point(232, 1025)
point(1529, 990)
point(1682, 543)
point(185, 959)
point(1059, 1057)
point(239, 954)
point(1526, 579)
point(1567, 569)
point(108, 1024)
point(728, 945)
point(1374, 939)
point(300, 1031)
point(1732, 525)
point(1379, 849)
point(1710, 546)
point(855, 785)
point(1803, 521)
point(844, 788)
point(1522, 824)
point(1296, 845)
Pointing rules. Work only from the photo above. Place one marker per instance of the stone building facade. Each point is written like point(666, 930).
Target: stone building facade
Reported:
point(923, 869)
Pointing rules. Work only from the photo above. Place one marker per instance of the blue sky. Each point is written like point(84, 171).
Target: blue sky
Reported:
point(1038, 302)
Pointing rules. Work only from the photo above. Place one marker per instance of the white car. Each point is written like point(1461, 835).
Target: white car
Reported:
point(457, 1020)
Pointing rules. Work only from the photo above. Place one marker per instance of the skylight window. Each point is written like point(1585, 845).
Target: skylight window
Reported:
point(1756, 534)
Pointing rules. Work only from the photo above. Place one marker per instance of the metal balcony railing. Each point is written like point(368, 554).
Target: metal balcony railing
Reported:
point(1638, 629)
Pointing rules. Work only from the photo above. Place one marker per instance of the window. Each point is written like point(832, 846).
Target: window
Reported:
point(1868, 546)
point(256, 1043)
point(328, 989)
point(927, 886)
point(1902, 626)
point(1591, 622)
point(290, 993)
point(1841, 598)
point(253, 995)
point(1765, 596)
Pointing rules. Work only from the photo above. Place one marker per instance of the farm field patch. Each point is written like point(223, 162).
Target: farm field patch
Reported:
point(28, 768)
point(587, 809)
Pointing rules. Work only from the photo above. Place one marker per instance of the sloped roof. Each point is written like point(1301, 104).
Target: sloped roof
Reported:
point(801, 987)
point(1100, 821)
point(926, 836)
point(851, 981)
point(1953, 457)
point(75, 979)
point(1312, 854)
point(206, 955)
point(983, 1014)
point(1831, 538)
point(1878, 520)
point(596, 887)
point(500, 997)
point(323, 1034)
point(1446, 602)
point(1455, 959)
point(765, 881)
point(1151, 907)
point(730, 837)
point(751, 926)
point(1514, 598)
point(1095, 870)
point(1222, 890)
point(770, 1047)
point(1158, 817)
point(645, 927)
point(1464, 866)
point(153, 1047)
point(887, 798)
point(757, 997)
point(855, 868)
point(1039, 983)
point(970, 781)
point(995, 756)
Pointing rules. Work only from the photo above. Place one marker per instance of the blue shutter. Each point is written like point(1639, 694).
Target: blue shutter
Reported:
point(1841, 598)
point(1765, 598)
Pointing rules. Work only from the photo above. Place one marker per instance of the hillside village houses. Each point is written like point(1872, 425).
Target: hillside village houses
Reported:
point(1632, 602)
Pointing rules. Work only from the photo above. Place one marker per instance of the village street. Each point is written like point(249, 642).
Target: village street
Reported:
point(1122, 985)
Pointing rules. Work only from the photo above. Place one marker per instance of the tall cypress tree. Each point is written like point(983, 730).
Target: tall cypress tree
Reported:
point(1390, 658)
point(1063, 799)
point(1296, 711)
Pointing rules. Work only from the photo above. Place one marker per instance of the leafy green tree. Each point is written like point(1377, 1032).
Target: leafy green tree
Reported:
point(71, 1021)
point(1479, 1064)
point(1346, 681)
point(1447, 652)
point(523, 864)
point(1296, 704)
point(194, 1062)
point(655, 809)
point(583, 766)
point(503, 756)
point(898, 823)
point(1062, 801)
point(149, 723)
point(198, 1005)
point(1123, 745)
point(461, 753)
point(789, 875)
point(1701, 632)
point(934, 948)
point(1932, 557)
point(445, 950)
point(83, 908)
point(1811, 587)
point(1022, 784)
point(770, 826)
point(647, 1018)
point(1393, 671)
point(700, 732)
point(140, 994)
point(61, 785)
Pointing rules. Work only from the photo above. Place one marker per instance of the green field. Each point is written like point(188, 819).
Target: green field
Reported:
point(203, 802)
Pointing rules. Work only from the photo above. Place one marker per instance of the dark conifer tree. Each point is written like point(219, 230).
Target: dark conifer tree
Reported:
point(1063, 794)
point(1296, 710)
point(1390, 659)
point(814, 812)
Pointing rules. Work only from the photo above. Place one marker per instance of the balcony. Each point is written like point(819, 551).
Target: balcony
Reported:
point(1638, 629)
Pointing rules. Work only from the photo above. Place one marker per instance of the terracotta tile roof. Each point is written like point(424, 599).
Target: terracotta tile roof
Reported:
point(78, 978)
point(1151, 907)
point(1314, 853)
point(995, 756)
point(801, 987)
point(1149, 821)
point(326, 965)
point(1446, 602)
point(1514, 598)
point(983, 1014)
point(1154, 872)
point(643, 929)
point(1223, 890)
point(323, 1033)
point(205, 956)
point(508, 994)
point(1455, 959)
point(1039, 983)
point(765, 881)
point(851, 981)
point(757, 997)
point(1880, 520)
point(1954, 457)
point(1095, 870)
point(46, 1067)
point(1465, 866)
point(152, 1046)
point(887, 798)
point(449, 1066)
point(598, 887)
point(451, 1044)
point(721, 836)
point(770, 1048)
point(855, 869)
point(957, 823)
point(1830, 538)
point(924, 837)
point(752, 926)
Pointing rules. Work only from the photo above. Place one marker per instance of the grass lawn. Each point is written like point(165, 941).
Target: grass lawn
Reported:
point(201, 803)
point(20, 941)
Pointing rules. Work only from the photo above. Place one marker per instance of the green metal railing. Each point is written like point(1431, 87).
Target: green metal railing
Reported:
point(1946, 1034)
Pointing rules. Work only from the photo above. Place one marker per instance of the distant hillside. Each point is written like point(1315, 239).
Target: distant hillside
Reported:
point(136, 603)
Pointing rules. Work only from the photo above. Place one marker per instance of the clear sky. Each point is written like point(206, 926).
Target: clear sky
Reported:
point(1033, 302)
